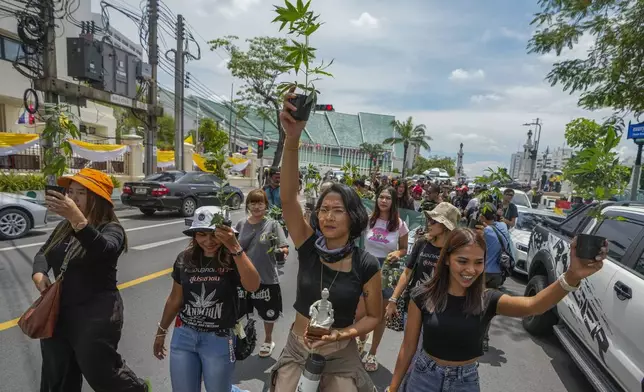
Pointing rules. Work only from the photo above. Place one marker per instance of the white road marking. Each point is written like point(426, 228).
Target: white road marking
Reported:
point(52, 228)
point(22, 246)
point(160, 243)
point(126, 230)
point(157, 225)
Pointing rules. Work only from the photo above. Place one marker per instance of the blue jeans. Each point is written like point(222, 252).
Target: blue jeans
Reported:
point(195, 355)
point(427, 376)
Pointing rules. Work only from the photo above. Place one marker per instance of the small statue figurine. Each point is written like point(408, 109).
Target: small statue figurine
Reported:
point(321, 313)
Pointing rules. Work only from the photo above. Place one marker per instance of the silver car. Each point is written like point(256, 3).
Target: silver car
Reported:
point(19, 214)
point(528, 219)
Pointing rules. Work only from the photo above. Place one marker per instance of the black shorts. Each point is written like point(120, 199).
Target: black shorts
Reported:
point(267, 300)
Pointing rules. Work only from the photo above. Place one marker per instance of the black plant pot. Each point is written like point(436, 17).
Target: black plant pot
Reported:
point(589, 246)
point(303, 109)
point(279, 257)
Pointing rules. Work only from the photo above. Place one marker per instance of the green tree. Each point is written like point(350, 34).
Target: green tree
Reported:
point(373, 150)
point(423, 164)
point(126, 120)
point(596, 171)
point(611, 75)
point(212, 138)
point(584, 133)
point(260, 67)
point(408, 134)
point(165, 135)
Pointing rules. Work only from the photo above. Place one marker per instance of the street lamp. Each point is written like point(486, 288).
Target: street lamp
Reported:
point(537, 138)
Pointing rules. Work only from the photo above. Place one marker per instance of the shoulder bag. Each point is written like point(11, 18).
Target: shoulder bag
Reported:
point(39, 321)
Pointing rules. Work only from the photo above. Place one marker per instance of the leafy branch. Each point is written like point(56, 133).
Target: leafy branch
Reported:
point(300, 55)
point(59, 126)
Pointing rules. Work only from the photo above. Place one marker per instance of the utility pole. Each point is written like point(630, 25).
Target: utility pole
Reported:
point(197, 127)
point(230, 120)
point(50, 70)
point(153, 54)
point(178, 95)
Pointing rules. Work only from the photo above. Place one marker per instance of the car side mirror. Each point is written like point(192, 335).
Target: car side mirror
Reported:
point(535, 205)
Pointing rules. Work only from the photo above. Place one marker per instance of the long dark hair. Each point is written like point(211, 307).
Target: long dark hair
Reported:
point(99, 212)
point(435, 291)
point(357, 212)
point(394, 217)
point(194, 256)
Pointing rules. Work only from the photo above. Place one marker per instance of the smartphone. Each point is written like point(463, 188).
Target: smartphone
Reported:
point(55, 188)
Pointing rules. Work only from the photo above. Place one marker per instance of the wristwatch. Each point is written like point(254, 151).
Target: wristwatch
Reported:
point(239, 253)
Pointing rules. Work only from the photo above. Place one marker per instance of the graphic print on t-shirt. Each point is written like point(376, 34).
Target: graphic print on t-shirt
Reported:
point(379, 235)
point(203, 305)
point(262, 294)
point(427, 259)
point(209, 295)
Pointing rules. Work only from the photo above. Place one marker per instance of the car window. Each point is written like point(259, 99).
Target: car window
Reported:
point(527, 221)
point(620, 235)
point(520, 199)
point(213, 178)
point(639, 267)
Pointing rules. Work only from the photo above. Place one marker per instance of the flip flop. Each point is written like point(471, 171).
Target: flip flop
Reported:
point(371, 363)
point(266, 349)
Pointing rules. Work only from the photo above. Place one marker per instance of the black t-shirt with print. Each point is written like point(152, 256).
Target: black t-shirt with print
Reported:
point(210, 296)
point(426, 255)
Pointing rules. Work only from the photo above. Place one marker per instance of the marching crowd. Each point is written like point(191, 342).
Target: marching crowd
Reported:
point(443, 297)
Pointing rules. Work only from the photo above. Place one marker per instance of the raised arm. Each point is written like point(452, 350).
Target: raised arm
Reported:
point(291, 211)
point(551, 295)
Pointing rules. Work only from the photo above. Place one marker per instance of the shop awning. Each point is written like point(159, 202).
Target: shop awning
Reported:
point(13, 143)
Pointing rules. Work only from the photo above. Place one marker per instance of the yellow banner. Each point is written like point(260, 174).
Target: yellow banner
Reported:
point(13, 143)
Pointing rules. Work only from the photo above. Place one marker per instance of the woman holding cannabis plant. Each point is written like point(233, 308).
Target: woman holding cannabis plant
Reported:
point(206, 277)
point(263, 241)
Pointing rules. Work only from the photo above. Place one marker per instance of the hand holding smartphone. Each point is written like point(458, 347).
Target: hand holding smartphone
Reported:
point(55, 188)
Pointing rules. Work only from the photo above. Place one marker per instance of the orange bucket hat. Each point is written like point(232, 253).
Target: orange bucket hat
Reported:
point(94, 180)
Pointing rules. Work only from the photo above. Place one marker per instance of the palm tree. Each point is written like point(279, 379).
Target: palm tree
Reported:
point(373, 150)
point(409, 135)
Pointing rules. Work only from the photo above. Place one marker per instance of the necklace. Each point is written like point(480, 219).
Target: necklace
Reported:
point(337, 272)
point(201, 262)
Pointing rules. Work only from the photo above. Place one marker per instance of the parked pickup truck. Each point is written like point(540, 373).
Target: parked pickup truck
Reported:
point(601, 325)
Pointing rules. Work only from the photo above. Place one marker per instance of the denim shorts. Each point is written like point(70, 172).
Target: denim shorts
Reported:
point(427, 376)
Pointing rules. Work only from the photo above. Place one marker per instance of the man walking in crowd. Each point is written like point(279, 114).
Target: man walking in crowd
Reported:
point(273, 188)
point(432, 198)
point(508, 212)
point(496, 240)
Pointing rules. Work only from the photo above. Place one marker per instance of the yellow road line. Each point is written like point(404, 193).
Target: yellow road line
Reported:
point(12, 323)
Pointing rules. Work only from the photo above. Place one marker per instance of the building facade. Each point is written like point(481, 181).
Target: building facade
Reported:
point(330, 139)
point(553, 160)
point(97, 121)
point(515, 165)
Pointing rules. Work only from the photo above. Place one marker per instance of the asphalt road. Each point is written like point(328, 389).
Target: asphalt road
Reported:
point(516, 361)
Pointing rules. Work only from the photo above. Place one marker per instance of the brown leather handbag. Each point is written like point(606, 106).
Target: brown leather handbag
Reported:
point(39, 321)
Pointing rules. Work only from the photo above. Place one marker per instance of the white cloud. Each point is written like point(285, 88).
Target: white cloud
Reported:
point(237, 7)
point(366, 20)
point(461, 74)
point(479, 98)
point(513, 34)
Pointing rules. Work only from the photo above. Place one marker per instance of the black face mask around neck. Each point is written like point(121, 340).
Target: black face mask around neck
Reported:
point(332, 255)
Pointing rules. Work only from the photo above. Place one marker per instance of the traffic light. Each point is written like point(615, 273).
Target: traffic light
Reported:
point(324, 108)
point(260, 148)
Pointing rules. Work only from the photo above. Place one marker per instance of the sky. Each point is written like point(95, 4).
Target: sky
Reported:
point(459, 67)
